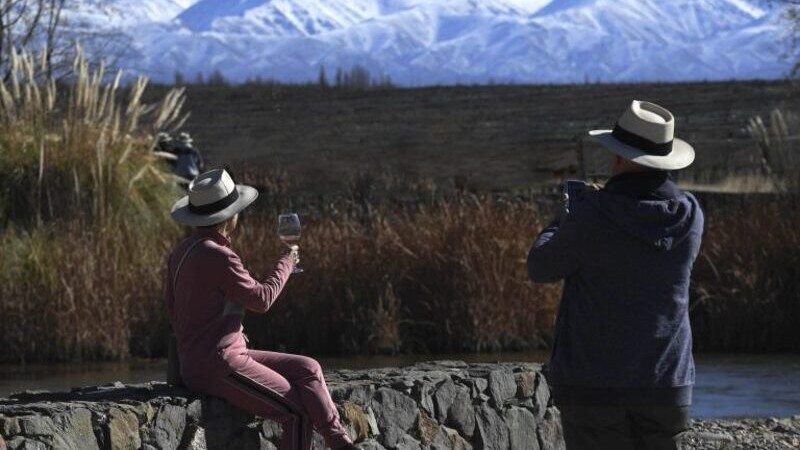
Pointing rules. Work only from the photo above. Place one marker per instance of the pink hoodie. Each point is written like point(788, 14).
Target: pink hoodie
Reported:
point(212, 291)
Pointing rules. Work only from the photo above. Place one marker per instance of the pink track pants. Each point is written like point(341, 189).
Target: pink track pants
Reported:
point(289, 389)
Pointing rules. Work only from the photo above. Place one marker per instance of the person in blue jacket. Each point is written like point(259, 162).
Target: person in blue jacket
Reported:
point(621, 367)
point(190, 163)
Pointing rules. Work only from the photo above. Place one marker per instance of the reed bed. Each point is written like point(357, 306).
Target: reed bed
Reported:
point(83, 214)
point(746, 283)
point(444, 275)
point(392, 265)
point(449, 277)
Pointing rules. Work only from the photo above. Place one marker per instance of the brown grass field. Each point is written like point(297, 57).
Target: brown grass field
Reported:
point(489, 137)
point(396, 260)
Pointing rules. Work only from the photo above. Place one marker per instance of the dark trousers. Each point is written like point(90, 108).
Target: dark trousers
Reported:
point(623, 427)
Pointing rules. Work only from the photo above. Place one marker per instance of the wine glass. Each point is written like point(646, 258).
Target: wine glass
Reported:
point(289, 232)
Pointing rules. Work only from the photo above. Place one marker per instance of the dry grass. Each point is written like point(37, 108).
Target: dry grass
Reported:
point(450, 277)
point(83, 214)
point(492, 137)
point(778, 148)
point(438, 274)
point(736, 184)
point(746, 282)
point(391, 265)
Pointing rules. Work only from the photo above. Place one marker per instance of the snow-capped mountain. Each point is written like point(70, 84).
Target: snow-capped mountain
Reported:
point(127, 14)
point(420, 42)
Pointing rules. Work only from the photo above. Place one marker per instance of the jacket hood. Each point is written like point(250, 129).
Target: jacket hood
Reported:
point(647, 206)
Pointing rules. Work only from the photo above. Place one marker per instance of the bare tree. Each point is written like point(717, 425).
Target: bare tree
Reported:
point(30, 25)
point(51, 33)
point(38, 28)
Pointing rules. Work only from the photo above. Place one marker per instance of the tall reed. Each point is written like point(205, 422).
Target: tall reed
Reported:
point(746, 283)
point(778, 148)
point(391, 266)
point(83, 212)
point(449, 277)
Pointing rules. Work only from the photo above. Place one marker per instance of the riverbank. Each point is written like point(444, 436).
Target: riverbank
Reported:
point(727, 385)
point(744, 434)
point(437, 404)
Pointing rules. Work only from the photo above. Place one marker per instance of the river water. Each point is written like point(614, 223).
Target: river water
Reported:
point(726, 385)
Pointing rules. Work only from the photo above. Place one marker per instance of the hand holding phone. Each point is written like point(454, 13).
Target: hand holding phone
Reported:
point(572, 189)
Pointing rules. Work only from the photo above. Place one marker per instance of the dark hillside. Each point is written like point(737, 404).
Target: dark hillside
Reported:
point(494, 136)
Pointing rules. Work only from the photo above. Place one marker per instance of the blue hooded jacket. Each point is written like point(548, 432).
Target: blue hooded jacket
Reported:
point(625, 252)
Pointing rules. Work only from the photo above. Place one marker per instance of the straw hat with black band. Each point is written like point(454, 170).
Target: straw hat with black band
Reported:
point(213, 198)
point(644, 134)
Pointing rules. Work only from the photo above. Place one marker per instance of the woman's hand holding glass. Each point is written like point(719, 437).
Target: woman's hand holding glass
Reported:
point(289, 232)
point(294, 253)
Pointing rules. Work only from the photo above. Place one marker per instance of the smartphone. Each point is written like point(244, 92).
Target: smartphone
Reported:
point(572, 189)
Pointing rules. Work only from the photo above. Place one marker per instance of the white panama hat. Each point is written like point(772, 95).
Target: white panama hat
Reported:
point(644, 134)
point(213, 198)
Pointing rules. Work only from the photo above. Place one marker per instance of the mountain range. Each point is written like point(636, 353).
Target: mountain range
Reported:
point(423, 42)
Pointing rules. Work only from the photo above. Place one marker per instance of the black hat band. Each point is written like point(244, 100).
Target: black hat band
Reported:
point(646, 145)
point(217, 206)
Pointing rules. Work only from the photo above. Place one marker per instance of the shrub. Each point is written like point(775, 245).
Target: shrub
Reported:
point(448, 277)
point(746, 282)
point(84, 221)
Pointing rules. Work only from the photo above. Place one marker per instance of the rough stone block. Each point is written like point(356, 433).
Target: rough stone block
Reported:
point(443, 398)
point(457, 442)
point(356, 421)
point(542, 397)
point(36, 425)
point(407, 442)
point(522, 429)
point(167, 430)
point(460, 414)
point(9, 426)
point(526, 384)
point(550, 433)
point(371, 445)
point(123, 430)
point(194, 411)
point(427, 429)
point(432, 405)
point(502, 386)
point(195, 438)
point(358, 393)
point(374, 430)
point(422, 393)
point(396, 413)
point(272, 430)
point(21, 443)
point(74, 431)
point(492, 431)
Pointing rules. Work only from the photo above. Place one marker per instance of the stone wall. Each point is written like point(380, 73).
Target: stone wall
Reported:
point(432, 405)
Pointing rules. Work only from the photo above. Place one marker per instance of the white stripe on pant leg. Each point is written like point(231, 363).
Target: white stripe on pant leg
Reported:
point(298, 411)
point(283, 409)
point(277, 406)
point(298, 418)
point(291, 405)
point(293, 418)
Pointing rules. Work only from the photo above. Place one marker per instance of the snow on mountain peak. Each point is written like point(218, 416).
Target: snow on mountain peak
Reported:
point(447, 41)
point(276, 17)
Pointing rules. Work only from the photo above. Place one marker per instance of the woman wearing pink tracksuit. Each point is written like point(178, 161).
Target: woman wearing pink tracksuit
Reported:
point(207, 291)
